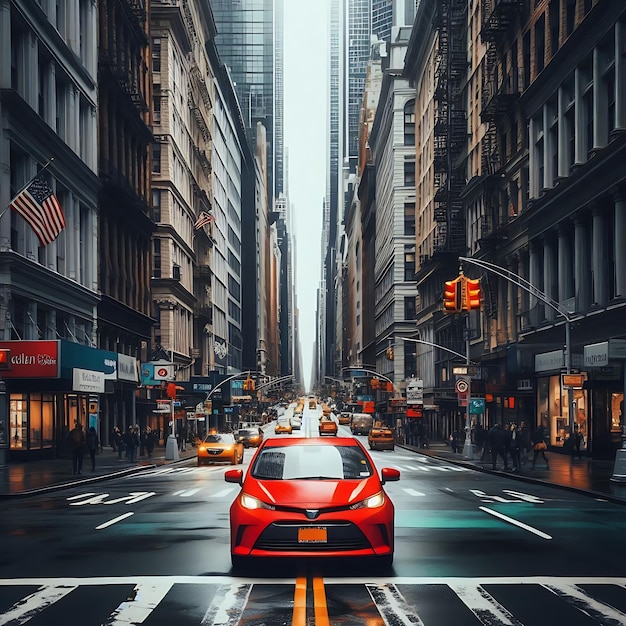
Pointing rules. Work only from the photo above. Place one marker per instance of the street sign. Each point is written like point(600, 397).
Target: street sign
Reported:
point(572, 380)
point(477, 406)
point(461, 385)
point(415, 392)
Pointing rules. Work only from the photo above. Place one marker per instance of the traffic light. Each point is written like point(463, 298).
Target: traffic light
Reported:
point(453, 296)
point(251, 384)
point(472, 294)
point(245, 385)
point(374, 383)
point(389, 353)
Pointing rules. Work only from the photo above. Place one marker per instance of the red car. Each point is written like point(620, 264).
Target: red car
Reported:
point(312, 497)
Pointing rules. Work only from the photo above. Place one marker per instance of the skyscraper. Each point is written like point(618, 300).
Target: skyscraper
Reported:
point(249, 42)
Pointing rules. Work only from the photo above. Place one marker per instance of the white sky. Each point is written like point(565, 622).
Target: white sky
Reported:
point(306, 43)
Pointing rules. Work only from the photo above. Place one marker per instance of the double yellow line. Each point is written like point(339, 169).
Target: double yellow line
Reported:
point(319, 602)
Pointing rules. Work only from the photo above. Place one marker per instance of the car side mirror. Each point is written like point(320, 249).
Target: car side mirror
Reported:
point(236, 476)
point(387, 474)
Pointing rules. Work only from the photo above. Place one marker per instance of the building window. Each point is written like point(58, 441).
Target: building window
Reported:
point(156, 205)
point(156, 54)
point(156, 258)
point(554, 26)
point(409, 123)
point(409, 308)
point(409, 263)
point(570, 17)
point(156, 158)
point(409, 173)
point(540, 43)
point(409, 218)
point(570, 129)
point(156, 110)
point(526, 59)
point(588, 113)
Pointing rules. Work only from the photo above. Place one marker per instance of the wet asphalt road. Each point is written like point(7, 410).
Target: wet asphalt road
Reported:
point(154, 547)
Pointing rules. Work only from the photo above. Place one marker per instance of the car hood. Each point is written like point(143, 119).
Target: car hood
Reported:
point(312, 493)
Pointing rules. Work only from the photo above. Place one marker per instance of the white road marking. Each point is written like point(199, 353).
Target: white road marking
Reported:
point(228, 605)
point(96, 499)
point(135, 496)
point(137, 609)
point(187, 493)
point(515, 522)
point(115, 520)
point(27, 608)
point(392, 606)
point(486, 608)
point(81, 495)
point(412, 492)
point(516, 495)
point(223, 492)
point(579, 598)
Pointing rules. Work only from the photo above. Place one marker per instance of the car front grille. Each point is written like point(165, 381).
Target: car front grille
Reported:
point(342, 536)
point(214, 451)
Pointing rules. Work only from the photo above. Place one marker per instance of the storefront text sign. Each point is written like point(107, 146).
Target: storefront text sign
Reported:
point(599, 354)
point(88, 380)
point(127, 368)
point(32, 359)
point(549, 361)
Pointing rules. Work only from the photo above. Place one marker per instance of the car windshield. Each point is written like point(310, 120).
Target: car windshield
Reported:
point(248, 431)
point(311, 461)
point(213, 438)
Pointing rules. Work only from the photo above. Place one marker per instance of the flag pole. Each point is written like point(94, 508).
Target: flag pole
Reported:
point(26, 185)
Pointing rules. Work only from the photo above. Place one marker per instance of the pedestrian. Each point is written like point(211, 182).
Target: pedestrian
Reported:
point(525, 443)
point(539, 446)
point(514, 446)
point(93, 442)
point(118, 440)
point(497, 440)
point(77, 441)
point(131, 441)
point(480, 437)
point(149, 442)
point(455, 442)
point(578, 442)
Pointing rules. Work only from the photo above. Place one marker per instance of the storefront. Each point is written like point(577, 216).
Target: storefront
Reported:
point(553, 410)
point(50, 386)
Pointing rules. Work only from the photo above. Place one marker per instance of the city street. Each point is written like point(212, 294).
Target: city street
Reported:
point(153, 548)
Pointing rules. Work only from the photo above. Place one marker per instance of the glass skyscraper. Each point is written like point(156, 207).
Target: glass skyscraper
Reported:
point(249, 40)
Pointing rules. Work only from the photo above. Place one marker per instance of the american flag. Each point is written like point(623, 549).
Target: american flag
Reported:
point(204, 218)
point(38, 205)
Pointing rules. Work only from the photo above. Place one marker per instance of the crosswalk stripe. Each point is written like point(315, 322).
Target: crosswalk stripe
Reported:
point(484, 606)
point(227, 606)
point(581, 600)
point(35, 603)
point(392, 606)
point(138, 607)
point(222, 493)
point(412, 492)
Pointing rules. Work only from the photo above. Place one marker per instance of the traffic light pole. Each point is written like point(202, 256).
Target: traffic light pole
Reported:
point(468, 451)
point(553, 304)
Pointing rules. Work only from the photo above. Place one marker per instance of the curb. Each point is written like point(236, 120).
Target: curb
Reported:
point(85, 481)
point(519, 477)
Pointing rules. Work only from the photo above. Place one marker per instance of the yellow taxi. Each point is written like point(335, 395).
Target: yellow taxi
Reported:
point(220, 448)
point(328, 426)
point(283, 427)
point(344, 418)
point(381, 437)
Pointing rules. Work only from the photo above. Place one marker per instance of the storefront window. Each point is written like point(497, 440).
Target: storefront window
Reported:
point(617, 412)
point(553, 411)
point(18, 415)
point(35, 421)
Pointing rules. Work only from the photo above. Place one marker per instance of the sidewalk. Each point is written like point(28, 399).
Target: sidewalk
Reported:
point(35, 477)
point(586, 475)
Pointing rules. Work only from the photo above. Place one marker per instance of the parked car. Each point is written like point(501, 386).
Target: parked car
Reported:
point(361, 423)
point(328, 426)
point(296, 421)
point(381, 437)
point(220, 448)
point(250, 437)
point(308, 497)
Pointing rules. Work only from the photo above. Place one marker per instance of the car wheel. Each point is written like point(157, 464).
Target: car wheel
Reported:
point(199, 462)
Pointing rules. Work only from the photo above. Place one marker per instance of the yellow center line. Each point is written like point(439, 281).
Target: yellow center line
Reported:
point(319, 602)
point(299, 602)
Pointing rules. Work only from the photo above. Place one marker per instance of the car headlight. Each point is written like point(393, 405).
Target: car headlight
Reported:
point(249, 502)
point(373, 502)
point(202, 449)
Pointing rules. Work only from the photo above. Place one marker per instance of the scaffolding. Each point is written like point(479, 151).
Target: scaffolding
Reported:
point(450, 127)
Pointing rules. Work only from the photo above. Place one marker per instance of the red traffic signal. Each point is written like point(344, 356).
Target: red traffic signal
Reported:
point(452, 296)
point(472, 294)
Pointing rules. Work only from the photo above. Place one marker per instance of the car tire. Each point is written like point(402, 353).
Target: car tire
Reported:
point(199, 463)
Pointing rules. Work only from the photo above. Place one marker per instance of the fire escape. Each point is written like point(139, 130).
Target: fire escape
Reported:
point(499, 94)
point(450, 129)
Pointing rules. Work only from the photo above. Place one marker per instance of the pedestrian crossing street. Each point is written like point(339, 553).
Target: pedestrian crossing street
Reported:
point(224, 601)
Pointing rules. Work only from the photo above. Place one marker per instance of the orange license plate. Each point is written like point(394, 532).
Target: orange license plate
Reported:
point(316, 534)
